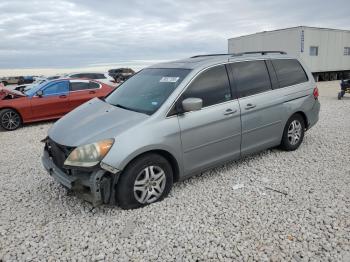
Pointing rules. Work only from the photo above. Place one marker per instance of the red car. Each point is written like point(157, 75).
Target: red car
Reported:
point(48, 100)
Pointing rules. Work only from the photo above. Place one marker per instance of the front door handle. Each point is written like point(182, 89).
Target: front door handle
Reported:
point(250, 106)
point(229, 111)
point(92, 92)
point(62, 96)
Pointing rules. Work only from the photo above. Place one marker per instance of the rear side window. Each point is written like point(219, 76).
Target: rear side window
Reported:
point(250, 78)
point(212, 86)
point(289, 72)
point(77, 86)
point(93, 85)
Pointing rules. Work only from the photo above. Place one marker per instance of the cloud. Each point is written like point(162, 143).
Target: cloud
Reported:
point(67, 33)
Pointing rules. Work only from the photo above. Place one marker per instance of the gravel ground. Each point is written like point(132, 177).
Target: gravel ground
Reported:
point(229, 213)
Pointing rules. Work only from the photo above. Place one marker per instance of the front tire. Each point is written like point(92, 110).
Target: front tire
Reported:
point(147, 179)
point(10, 119)
point(293, 133)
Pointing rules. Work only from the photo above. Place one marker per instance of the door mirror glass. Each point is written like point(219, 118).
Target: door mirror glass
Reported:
point(192, 104)
point(40, 93)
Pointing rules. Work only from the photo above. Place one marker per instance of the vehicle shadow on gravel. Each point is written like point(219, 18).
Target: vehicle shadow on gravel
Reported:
point(193, 180)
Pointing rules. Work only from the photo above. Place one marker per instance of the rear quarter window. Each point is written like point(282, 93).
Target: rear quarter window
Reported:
point(289, 72)
point(77, 86)
point(93, 85)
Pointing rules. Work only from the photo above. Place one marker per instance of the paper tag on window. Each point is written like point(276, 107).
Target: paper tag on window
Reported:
point(169, 79)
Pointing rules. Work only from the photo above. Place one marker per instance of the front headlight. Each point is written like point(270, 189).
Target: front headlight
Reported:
point(89, 155)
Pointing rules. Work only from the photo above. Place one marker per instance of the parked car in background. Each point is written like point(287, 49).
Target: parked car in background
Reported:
point(121, 74)
point(173, 120)
point(104, 78)
point(26, 87)
point(28, 79)
point(48, 100)
point(12, 80)
point(52, 77)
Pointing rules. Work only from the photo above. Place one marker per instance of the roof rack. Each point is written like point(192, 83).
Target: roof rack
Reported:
point(260, 52)
point(209, 55)
point(243, 53)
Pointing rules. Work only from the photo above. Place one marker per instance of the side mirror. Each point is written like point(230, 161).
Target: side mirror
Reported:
point(192, 104)
point(40, 93)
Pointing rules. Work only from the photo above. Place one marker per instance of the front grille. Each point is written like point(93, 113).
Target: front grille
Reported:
point(58, 153)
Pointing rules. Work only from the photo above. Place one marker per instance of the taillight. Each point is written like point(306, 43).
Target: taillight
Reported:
point(315, 93)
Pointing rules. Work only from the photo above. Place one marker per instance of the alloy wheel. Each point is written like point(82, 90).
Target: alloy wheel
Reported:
point(10, 120)
point(294, 132)
point(149, 184)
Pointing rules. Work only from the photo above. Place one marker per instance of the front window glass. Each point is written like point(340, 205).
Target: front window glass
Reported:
point(36, 88)
point(56, 88)
point(146, 91)
point(212, 86)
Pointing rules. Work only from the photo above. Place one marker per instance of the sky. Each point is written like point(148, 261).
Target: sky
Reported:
point(93, 33)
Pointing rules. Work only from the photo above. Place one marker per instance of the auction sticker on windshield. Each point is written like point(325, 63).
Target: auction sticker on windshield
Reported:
point(169, 79)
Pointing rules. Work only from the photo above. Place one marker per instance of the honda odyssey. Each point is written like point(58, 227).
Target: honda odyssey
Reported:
point(173, 120)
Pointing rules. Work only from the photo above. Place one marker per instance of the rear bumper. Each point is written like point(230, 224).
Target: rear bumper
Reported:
point(94, 187)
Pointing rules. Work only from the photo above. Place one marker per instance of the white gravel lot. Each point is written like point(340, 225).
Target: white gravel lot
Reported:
point(229, 213)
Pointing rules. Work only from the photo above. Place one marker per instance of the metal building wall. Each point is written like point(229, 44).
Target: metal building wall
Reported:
point(287, 40)
point(297, 41)
point(331, 45)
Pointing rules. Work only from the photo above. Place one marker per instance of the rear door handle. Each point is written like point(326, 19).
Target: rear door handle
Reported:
point(62, 96)
point(92, 92)
point(230, 112)
point(250, 106)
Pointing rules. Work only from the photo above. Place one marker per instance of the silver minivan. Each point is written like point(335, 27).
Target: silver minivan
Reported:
point(177, 119)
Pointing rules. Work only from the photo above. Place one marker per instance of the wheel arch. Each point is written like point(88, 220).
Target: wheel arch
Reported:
point(14, 109)
point(167, 155)
point(304, 116)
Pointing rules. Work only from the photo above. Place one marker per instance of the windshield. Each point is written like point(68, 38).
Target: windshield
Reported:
point(146, 91)
point(32, 90)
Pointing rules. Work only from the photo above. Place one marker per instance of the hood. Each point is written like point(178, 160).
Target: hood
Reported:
point(93, 121)
point(4, 92)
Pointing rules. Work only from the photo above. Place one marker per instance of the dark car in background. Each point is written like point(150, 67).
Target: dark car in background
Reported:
point(101, 77)
point(121, 74)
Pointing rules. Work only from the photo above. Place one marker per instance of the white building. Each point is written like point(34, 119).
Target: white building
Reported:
point(325, 51)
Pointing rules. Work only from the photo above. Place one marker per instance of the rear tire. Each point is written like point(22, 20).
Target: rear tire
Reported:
point(147, 179)
point(293, 133)
point(10, 119)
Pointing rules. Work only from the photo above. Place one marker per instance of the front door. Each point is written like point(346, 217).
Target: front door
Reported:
point(213, 134)
point(53, 103)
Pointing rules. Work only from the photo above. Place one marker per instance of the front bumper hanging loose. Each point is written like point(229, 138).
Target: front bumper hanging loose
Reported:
point(95, 186)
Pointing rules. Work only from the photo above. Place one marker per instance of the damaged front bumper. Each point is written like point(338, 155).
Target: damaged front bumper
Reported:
point(95, 186)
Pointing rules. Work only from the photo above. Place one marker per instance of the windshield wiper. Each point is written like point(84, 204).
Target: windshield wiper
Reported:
point(124, 107)
point(131, 109)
